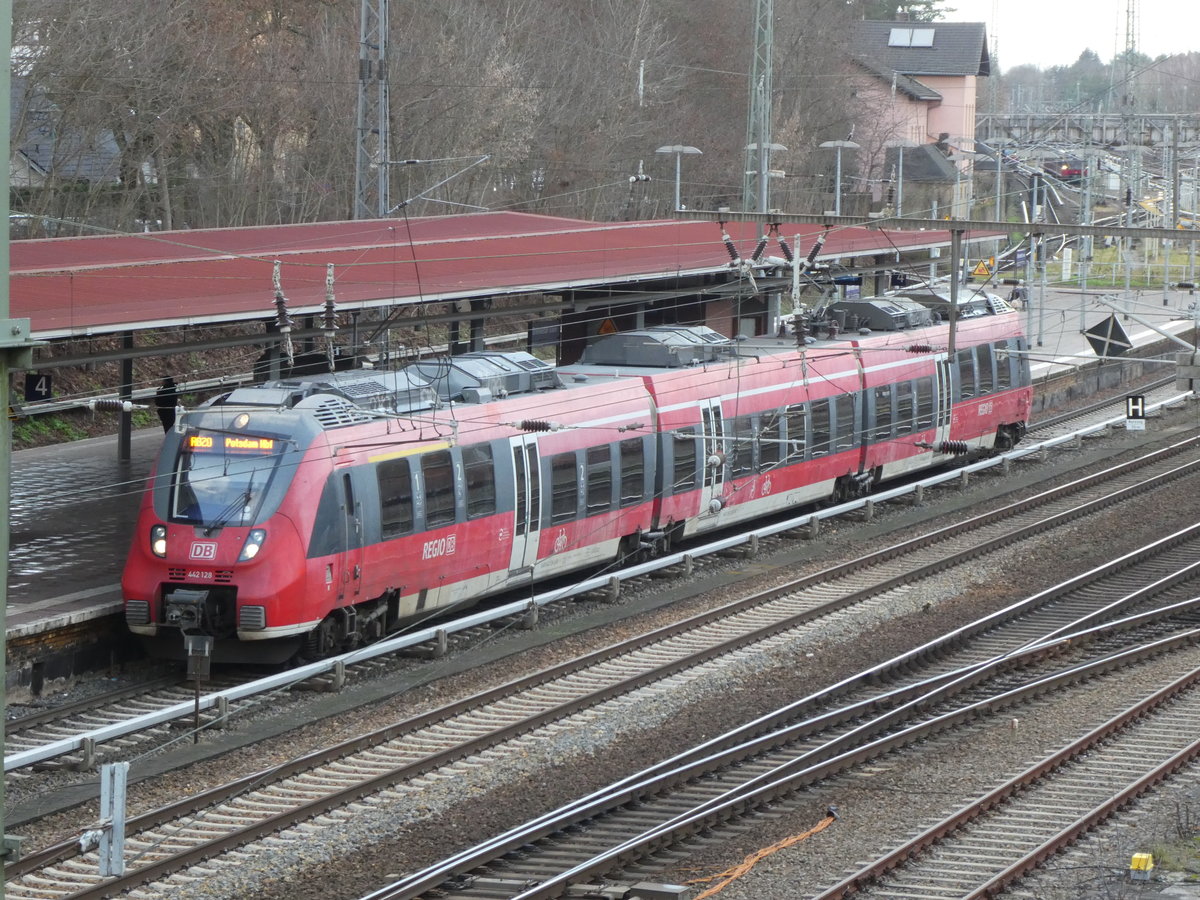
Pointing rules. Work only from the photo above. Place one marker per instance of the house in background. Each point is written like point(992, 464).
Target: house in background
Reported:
point(42, 151)
point(916, 111)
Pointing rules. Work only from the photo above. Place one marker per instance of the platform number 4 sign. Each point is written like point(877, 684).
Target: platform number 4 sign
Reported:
point(1135, 412)
point(37, 387)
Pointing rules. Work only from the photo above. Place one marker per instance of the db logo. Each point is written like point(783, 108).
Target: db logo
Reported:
point(204, 550)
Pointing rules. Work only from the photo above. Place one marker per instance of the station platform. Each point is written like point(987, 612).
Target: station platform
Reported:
point(74, 506)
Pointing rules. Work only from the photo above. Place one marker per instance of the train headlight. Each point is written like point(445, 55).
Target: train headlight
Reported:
point(254, 542)
point(158, 540)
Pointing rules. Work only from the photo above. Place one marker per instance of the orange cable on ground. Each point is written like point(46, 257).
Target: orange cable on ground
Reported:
point(731, 875)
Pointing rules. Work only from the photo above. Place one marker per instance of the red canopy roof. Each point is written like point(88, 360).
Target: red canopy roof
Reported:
point(93, 285)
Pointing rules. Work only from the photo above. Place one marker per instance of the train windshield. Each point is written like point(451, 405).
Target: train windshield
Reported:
point(221, 478)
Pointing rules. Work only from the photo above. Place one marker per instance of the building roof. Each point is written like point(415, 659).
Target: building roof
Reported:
point(923, 48)
point(51, 149)
point(905, 84)
point(105, 284)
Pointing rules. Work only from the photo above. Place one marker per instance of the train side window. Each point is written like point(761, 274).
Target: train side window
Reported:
point(633, 471)
point(395, 498)
point(847, 431)
point(564, 488)
point(328, 535)
point(706, 422)
point(480, 475)
point(795, 417)
point(769, 440)
point(966, 373)
point(820, 428)
point(883, 413)
point(522, 482)
point(904, 407)
point(599, 479)
point(1004, 363)
point(685, 456)
point(924, 386)
point(437, 470)
point(983, 357)
point(741, 449)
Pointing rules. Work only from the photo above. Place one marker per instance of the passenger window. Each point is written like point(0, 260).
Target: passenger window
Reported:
point(904, 407)
point(480, 476)
point(966, 373)
point(883, 413)
point(395, 498)
point(847, 432)
point(795, 417)
point(924, 402)
point(820, 428)
point(633, 471)
point(685, 451)
point(437, 469)
point(599, 479)
point(1003, 367)
point(741, 452)
point(564, 494)
point(768, 440)
point(983, 356)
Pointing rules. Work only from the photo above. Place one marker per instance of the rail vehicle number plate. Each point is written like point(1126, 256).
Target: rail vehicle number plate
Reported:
point(985, 408)
point(198, 575)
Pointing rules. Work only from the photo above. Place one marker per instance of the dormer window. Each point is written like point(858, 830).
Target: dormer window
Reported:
point(911, 37)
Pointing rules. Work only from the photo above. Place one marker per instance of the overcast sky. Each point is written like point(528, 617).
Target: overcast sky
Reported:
point(1048, 33)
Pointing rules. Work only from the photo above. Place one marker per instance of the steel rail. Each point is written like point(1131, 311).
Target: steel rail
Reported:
point(839, 755)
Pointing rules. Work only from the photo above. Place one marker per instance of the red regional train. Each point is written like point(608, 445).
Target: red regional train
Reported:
point(309, 515)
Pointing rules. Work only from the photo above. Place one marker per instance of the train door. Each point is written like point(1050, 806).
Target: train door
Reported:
point(712, 498)
point(350, 580)
point(945, 401)
point(527, 519)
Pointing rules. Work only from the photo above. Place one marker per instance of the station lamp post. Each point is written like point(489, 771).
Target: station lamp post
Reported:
point(679, 150)
point(839, 146)
point(900, 147)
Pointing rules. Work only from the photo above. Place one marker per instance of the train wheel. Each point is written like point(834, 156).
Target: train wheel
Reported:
point(631, 550)
point(320, 642)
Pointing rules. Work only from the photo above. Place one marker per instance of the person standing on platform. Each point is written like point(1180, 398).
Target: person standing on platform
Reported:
point(165, 400)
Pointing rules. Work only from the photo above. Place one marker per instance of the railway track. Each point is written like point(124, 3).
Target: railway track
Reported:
point(78, 737)
point(993, 841)
point(599, 838)
point(327, 781)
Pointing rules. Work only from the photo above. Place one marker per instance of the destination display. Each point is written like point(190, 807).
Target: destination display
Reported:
point(230, 444)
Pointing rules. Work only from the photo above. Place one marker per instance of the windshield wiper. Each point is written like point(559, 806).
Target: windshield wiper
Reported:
point(224, 517)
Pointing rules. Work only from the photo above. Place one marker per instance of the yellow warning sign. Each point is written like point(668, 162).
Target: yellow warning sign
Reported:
point(981, 268)
point(607, 327)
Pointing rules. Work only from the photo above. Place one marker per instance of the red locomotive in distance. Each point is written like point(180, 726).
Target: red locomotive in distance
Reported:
point(1072, 171)
point(302, 517)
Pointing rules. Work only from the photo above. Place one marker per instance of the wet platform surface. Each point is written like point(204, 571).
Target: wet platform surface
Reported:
point(73, 512)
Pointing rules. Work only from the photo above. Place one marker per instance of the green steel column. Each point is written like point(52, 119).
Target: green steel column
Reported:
point(6, 427)
point(14, 351)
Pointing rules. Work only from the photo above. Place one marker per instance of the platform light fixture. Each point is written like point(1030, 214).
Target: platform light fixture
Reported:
point(839, 146)
point(679, 150)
